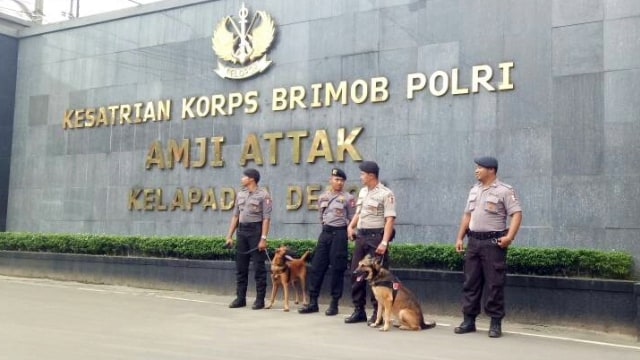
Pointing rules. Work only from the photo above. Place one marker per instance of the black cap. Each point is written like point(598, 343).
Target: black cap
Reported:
point(339, 173)
point(369, 167)
point(488, 162)
point(252, 173)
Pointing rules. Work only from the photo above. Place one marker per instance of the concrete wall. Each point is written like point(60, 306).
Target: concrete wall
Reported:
point(8, 66)
point(566, 136)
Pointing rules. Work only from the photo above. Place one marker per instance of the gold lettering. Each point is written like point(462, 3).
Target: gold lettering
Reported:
point(178, 200)
point(379, 91)
point(79, 118)
point(346, 145)
point(112, 110)
point(296, 136)
point(209, 200)
point(361, 87)
point(164, 110)
point(187, 111)
point(332, 94)
point(194, 195)
point(217, 151)
point(149, 112)
point(312, 196)
point(477, 79)
point(320, 147)
point(227, 198)
point(251, 101)
point(279, 99)
point(90, 117)
point(154, 156)
point(159, 205)
point(506, 76)
point(251, 150)
point(294, 197)
point(433, 83)
point(218, 102)
point(66, 119)
point(203, 106)
point(125, 113)
point(415, 82)
point(133, 199)
point(137, 107)
point(273, 145)
point(315, 103)
point(176, 153)
point(149, 199)
point(455, 84)
point(102, 117)
point(297, 95)
point(235, 100)
point(202, 153)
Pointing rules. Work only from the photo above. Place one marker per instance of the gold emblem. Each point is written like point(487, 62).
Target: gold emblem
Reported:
point(243, 43)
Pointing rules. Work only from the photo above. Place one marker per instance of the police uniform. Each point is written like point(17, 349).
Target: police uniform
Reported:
point(251, 208)
point(336, 209)
point(485, 260)
point(372, 207)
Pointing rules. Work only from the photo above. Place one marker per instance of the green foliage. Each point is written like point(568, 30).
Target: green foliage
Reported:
point(521, 260)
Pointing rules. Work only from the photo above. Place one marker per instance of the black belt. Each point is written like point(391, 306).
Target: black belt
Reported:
point(370, 231)
point(486, 235)
point(328, 228)
point(250, 225)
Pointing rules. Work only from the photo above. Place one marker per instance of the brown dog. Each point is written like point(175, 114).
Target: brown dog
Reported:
point(286, 270)
point(392, 297)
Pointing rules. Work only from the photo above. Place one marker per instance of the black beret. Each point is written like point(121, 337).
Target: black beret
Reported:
point(252, 173)
point(339, 173)
point(369, 167)
point(488, 162)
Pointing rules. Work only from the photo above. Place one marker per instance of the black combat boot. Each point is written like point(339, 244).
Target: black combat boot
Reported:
point(258, 304)
point(333, 308)
point(468, 325)
point(238, 302)
point(311, 307)
point(373, 317)
point(358, 316)
point(495, 329)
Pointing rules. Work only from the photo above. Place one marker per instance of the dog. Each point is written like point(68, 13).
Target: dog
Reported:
point(286, 270)
point(392, 297)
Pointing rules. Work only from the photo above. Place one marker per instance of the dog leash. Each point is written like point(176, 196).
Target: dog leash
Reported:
point(254, 249)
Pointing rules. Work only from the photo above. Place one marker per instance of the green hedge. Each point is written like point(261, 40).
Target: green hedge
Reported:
point(521, 260)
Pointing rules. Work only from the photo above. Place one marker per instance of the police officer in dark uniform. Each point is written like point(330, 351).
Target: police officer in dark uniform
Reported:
point(375, 217)
point(336, 208)
point(484, 222)
point(251, 216)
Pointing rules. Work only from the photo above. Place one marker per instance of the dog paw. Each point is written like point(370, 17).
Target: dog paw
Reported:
point(285, 310)
point(384, 328)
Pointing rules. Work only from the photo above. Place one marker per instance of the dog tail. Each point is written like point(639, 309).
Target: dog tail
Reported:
point(427, 325)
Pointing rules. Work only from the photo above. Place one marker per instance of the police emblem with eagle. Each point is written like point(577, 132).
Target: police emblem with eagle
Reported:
point(243, 43)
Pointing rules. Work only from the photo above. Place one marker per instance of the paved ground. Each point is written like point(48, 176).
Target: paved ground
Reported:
point(44, 319)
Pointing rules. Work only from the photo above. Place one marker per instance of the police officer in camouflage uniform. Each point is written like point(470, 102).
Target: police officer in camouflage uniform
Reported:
point(375, 217)
point(251, 216)
point(336, 208)
point(484, 222)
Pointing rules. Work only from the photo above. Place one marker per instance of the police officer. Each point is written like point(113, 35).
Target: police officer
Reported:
point(484, 222)
point(336, 208)
point(251, 216)
point(374, 218)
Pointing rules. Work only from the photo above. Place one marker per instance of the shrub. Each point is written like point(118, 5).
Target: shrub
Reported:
point(521, 260)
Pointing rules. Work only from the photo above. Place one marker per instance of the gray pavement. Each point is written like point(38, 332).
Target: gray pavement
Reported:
point(45, 319)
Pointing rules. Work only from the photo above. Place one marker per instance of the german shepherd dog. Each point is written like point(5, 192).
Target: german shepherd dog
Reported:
point(392, 297)
point(286, 270)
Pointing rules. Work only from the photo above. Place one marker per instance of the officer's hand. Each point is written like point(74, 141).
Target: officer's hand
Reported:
point(262, 245)
point(351, 234)
point(228, 243)
point(459, 245)
point(504, 242)
point(381, 249)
